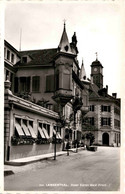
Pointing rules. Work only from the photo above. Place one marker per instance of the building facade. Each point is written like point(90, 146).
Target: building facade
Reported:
point(104, 110)
point(44, 99)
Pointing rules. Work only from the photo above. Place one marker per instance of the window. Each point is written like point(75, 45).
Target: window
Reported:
point(49, 106)
point(49, 83)
point(105, 121)
point(24, 59)
point(8, 54)
point(36, 83)
point(12, 58)
point(116, 123)
point(66, 81)
point(91, 120)
point(16, 85)
point(105, 108)
point(24, 84)
point(7, 74)
point(116, 110)
point(91, 108)
point(57, 81)
point(4, 52)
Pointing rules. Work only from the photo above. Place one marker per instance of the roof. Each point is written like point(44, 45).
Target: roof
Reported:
point(11, 47)
point(96, 63)
point(64, 45)
point(39, 57)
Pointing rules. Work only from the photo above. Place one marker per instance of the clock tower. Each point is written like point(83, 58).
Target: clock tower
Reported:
point(97, 73)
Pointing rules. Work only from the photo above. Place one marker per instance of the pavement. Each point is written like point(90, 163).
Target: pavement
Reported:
point(9, 166)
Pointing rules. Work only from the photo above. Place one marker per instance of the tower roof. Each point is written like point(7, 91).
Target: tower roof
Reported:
point(64, 45)
point(82, 72)
point(96, 62)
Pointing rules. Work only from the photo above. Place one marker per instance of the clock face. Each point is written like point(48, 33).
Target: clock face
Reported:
point(95, 69)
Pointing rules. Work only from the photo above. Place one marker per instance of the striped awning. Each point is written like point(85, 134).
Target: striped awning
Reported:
point(45, 133)
point(19, 129)
point(57, 134)
point(26, 131)
point(41, 133)
point(32, 131)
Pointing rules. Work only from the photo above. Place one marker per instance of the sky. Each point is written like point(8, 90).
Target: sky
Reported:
point(98, 26)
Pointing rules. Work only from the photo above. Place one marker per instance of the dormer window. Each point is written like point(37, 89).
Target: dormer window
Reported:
point(24, 59)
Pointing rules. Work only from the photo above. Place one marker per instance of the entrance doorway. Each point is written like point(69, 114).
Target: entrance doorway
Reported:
point(105, 139)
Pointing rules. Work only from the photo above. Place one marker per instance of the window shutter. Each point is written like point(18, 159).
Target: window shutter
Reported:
point(109, 121)
point(36, 83)
point(50, 83)
point(92, 120)
point(101, 121)
point(102, 108)
point(109, 108)
point(93, 107)
point(28, 84)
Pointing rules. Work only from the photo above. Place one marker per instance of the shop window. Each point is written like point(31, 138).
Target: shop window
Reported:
point(43, 136)
point(36, 83)
point(49, 83)
point(22, 133)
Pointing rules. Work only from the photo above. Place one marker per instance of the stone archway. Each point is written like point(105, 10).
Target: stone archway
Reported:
point(105, 139)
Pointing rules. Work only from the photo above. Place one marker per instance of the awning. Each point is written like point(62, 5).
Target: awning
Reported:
point(32, 131)
point(26, 131)
point(45, 133)
point(41, 133)
point(19, 129)
point(57, 136)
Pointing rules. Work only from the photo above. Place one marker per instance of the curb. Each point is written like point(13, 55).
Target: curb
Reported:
point(14, 163)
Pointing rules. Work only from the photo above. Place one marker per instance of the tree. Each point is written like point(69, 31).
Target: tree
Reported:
point(91, 137)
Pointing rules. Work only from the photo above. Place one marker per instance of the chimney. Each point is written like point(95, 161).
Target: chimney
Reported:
point(114, 95)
